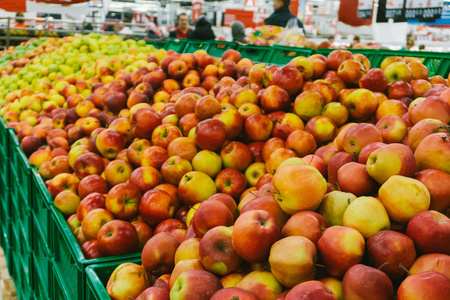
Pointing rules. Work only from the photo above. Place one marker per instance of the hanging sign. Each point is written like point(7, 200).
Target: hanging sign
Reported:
point(391, 9)
point(13, 5)
point(293, 7)
point(196, 10)
point(423, 10)
point(365, 8)
point(61, 2)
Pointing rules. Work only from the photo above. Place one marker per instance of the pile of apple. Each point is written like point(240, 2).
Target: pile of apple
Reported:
point(321, 179)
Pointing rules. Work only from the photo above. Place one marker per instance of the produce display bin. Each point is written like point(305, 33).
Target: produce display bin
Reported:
point(177, 45)
point(4, 162)
point(98, 276)
point(438, 63)
point(68, 260)
point(259, 54)
point(217, 48)
point(42, 262)
point(158, 44)
point(282, 55)
point(21, 265)
point(369, 53)
point(193, 45)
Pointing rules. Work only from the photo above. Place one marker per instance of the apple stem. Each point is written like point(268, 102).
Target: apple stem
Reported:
point(319, 265)
point(131, 298)
point(446, 127)
point(404, 269)
point(386, 263)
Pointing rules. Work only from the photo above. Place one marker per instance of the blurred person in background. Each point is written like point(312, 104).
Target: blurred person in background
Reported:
point(203, 30)
point(125, 30)
point(422, 47)
point(182, 30)
point(281, 14)
point(19, 22)
point(152, 31)
point(238, 31)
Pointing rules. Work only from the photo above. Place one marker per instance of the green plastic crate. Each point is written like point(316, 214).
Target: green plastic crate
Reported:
point(21, 269)
point(4, 153)
point(282, 55)
point(41, 214)
point(13, 149)
point(193, 45)
point(217, 48)
point(158, 44)
point(98, 276)
point(258, 54)
point(68, 259)
point(42, 262)
point(438, 63)
point(177, 45)
point(5, 228)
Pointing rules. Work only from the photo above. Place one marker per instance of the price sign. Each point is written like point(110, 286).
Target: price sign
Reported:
point(424, 10)
point(196, 10)
point(391, 9)
point(365, 9)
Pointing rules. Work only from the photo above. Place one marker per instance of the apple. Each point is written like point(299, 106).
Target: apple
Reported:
point(294, 197)
point(419, 71)
point(302, 142)
point(67, 202)
point(207, 162)
point(93, 221)
point(258, 127)
point(188, 249)
point(437, 184)
point(117, 171)
point(398, 71)
point(420, 87)
point(144, 231)
point(123, 201)
point(206, 107)
point(426, 285)
point(90, 250)
point(254, 232)
point(289, 78)
point(389, 250)
point(361, 104)
point(236, 155)
point(336, 57)
point(210, 134)
point(310, 290)
point(262, 284)
point(233, 293)
point(307, 224)
point(254, 172)
point(307, 68)
point(308, 105)
point(392, 128)
point(156, 206)
point(350, 71)
point(403, 198)
point(337, 253)
point(256, 73)
point(354, 178)
point(195, 284)
point(184, 266)
point(431, 262)
point(145, 178)
point(275, 98)
point(277, 158)
point(334, 205)
point(432, 153)
point(360, 280)
point(145, 120)
point(335, 285)
point(227, 68)
point(153, 293)
point(292, 260)
point(158, 254)
point(188, 122)
point(374, 80)
point(399, 90)
point(431, 107)
point(429, 226)
point(154, 156)
point(182, 146)
point(422, 129)
point(30, 144)
point(90, 202)
point(363, 209)
point(196, 187)
point(174, 168)
point(117, 237)
point(62, 182)
point(270, 146)
point(211, 214)
point(127, 280)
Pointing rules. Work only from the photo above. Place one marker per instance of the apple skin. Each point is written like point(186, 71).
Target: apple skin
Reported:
point(196, 187)
point(216, 251)
point(145, 178)
point(231, 182)
point(307, 224)
point(236, 155)
point(127, 280)
point(422, 129)
point(432, 153)
point(392, 159)
point(233, 293)
point(174, 168)
point(403, 198)
point(123, 201)
point(110, 142)
point(211, 214)
point(374, 80)
point(361, 280)
point(67, 202)
point(438, 184)
point(360, 135)
point(426, 285)
point(392, 128)
point(93, 221)
point(90, 202)
point(210, 134)
point(311, 290)
point(268, 204)
point(117, 238)
point(361, 104)
point(275, 98)
point(367, 150)
point(195, 285)
point(431, 262)
point(145, 120)
point(353, 178)
point(336, 57)
point(293, 197)
point(92, 184)
point(158, 254)
point(258, 127)
point(154, 293)
point(393, 247)
point(156, 206)
point(88, 164)
point(399, 89)
point(188, 249)
point(350, 71)
point(432, 107)
point(253, 234)
point(292, 260)
point(288, 78)
point(336, 254)
point(334, 205)
point(262, 284)
point(430, 231)
point(184, 266)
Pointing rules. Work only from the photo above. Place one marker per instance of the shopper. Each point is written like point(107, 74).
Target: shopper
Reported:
point(238, 31)
point(203, 30)
point(19, 22)
point(281, 14)
point(182, 29)
point(152, 31)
